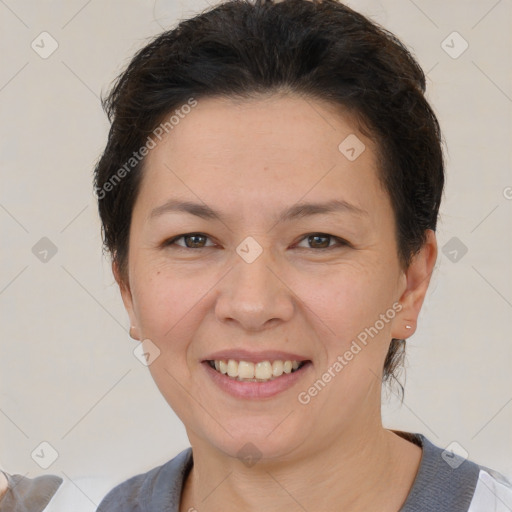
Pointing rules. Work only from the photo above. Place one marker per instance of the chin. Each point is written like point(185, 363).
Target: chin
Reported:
point(252, 441)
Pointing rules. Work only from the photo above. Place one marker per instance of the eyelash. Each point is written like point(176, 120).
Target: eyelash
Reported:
point(341, 242)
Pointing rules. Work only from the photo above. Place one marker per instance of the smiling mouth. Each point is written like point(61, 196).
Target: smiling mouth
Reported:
point(264, 371)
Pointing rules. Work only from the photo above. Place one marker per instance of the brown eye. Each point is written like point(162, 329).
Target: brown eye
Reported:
point(191, 241)
point(322, 241)
point(319, 241)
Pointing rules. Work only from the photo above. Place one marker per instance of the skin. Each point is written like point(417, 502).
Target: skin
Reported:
point(4, 485)
point(249, 160)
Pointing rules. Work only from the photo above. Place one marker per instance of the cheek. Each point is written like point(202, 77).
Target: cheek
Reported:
point(172, 303)
point(165, 304)
point(343, 297)
point(345, 305)
point(167, 309)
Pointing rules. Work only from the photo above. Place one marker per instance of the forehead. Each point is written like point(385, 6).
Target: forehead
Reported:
point(272, 150)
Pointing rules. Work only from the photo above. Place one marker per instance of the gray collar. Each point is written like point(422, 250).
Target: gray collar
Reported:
point(444, 482)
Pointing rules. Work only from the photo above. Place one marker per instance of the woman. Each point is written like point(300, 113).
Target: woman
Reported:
point(269, 194)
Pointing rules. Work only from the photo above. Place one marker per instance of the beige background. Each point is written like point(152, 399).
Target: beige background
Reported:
point(68, 375)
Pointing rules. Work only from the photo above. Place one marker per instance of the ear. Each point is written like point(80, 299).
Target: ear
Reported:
point(417, 279)
point(126, 295)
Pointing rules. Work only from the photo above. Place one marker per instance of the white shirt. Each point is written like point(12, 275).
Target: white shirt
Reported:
point(492, 493)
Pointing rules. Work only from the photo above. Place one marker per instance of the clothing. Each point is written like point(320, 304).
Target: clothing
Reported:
point(455, 486)
point(29, 494)
point(50, 493)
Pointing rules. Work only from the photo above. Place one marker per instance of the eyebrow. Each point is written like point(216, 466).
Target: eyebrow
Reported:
point(296, 211)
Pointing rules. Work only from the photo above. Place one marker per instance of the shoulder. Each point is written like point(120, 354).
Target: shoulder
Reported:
point(51, 493)
point(448, 482)
point(493, 492)
point(22, 492)
point(158, 489)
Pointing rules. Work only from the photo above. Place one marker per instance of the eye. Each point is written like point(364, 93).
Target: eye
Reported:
point(322, 241)
point(316, 241)
point(191, 241)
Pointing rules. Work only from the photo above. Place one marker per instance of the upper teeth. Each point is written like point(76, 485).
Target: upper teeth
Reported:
point(263, 370)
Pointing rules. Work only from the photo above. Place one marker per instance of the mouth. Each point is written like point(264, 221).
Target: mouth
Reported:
point(262, 371)
point(245, 374)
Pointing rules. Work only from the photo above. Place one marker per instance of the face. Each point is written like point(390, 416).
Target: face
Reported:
point(261, 276)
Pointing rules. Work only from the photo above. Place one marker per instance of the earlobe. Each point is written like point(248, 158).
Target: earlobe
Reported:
point(126, 295)
point(134, 333)
point(417, 279)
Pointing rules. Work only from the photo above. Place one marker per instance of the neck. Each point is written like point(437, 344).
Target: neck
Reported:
point(360, 469)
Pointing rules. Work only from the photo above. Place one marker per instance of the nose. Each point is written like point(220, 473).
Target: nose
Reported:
point(254, 295)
